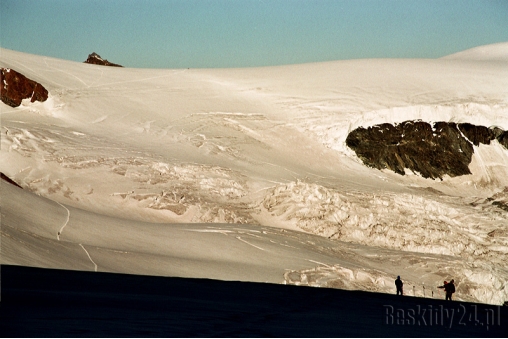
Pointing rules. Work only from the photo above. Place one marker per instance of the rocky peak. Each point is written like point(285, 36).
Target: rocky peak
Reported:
point(444, 148)
point(14, 87)
point(96, 59)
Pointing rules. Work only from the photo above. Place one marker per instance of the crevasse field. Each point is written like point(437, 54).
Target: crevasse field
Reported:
point(244, 174)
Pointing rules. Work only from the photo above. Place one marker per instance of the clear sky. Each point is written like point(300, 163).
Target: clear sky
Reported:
point(242, 33)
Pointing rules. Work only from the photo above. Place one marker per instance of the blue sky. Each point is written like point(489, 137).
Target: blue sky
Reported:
point(243, 33)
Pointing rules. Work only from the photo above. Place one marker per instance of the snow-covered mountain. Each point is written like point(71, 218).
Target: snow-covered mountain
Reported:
point(245, 174)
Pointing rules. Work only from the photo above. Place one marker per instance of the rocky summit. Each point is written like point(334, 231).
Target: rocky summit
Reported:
point(96, 59)
point(15, 87)
point(432, 150)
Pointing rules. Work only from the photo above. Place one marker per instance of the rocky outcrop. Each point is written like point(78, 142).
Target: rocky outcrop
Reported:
point(95, 59)
point(9, 180)
point(14, 87)
point(444, 148)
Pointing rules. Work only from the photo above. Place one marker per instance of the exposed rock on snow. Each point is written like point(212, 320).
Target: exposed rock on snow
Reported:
point(443, 148)
point(9, 180)
point(96, 59)
point(483, 135)
point(14, 87)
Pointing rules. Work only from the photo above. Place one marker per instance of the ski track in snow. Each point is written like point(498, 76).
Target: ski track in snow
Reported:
point(248, 243)
point(129, 81)
point(319, 263)
point(89, 257)
point(70, 74)
point(65, 223)
point(225, 232)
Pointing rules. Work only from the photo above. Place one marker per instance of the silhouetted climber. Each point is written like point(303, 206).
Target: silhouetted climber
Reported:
point(444, 285)
point(449, 289)
point(399, 284)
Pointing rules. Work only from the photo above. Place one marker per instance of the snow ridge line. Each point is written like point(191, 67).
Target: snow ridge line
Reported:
point(65, 223)
point(89, 257)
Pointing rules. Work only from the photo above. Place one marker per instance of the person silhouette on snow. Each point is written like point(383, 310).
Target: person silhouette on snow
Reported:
point(449, 288)
point(399, 284)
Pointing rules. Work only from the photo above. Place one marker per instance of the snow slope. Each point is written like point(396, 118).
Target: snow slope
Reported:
point(226, 152)
point(493, 52)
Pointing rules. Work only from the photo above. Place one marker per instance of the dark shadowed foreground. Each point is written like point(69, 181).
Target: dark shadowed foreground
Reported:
point(57, 303)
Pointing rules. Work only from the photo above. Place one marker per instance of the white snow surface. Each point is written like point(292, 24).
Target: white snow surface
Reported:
point(243, 174)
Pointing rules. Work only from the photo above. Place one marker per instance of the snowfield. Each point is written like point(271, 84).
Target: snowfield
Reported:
point(244, 174)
